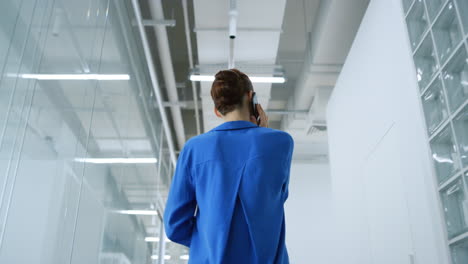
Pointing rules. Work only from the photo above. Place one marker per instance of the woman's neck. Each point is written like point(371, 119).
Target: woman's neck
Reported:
point(236, 115)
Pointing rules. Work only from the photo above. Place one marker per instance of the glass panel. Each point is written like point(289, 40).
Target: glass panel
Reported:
point(407, 4)
point(10, 40)
point(444, 155)
point(455, 76)
point(446, 32)
point(434, 6)
point(460, 252)
point(434, 104)
point(425, 62)
point(41, 141)
point(126, 192)
point(453, 200)
point(177, 252)
point(463, 10)
point(82, 152)
point(460, 124)
point(417, 23)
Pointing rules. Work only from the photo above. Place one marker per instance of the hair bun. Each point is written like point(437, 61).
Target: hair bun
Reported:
point(228, 89)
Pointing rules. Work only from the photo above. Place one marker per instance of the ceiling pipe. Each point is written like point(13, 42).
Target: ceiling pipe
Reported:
point(323, 61)
point(190, 57)
point(303, 94)
point(154, 80)
point(164, 51)
point(232, 31)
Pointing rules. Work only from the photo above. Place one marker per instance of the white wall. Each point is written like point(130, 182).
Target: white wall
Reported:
point(308, 214)
point(384, 196)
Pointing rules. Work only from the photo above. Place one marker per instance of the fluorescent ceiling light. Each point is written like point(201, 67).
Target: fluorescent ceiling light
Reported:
point(117, 160)
point(137, 212)
point(100, 77)
point(267, 79)
point(202, 78)
point(184, 257)
point(152, 239)
point(254, 79)
point(166, 257)
point(155, 239)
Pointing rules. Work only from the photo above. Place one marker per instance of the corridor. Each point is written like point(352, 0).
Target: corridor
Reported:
point(99, 97)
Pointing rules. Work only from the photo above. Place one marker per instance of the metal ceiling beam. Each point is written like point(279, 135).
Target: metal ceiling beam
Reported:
point(165, 58)
point(128, 52)
point(154, 79)
point(121, 20)
point(190, 57)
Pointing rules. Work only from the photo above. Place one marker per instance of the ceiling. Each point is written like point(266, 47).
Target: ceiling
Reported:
point(256, 43)
point(308, 39)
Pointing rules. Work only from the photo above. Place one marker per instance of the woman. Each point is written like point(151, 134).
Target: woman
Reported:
point(230, 184)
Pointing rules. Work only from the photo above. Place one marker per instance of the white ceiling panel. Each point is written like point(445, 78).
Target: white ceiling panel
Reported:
point(258, 35)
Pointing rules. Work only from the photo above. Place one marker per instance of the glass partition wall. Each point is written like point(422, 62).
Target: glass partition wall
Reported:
point(84, 165)
point(438, 33)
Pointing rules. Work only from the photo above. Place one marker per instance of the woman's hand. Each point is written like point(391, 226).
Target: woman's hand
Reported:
point(262, 116)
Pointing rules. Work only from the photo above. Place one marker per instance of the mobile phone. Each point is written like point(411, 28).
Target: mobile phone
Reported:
point(254, 107)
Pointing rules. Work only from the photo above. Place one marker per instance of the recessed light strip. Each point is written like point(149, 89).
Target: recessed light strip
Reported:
point(152, 239)
point(267, 79)
point(137, 212)
point(100, 77)
point(254, 79)
point(166, 257)
point(155, 239)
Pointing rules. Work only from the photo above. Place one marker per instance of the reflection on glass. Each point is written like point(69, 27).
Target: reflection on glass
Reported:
point(460, 252)
point(460, 124)
point(85, 154)
point(455, 76)
point(444, 154)
point(434, 6)
point(179, 254)
point(446, 32)
point(453, 200)
point(463, 10)
point(425, 62)
point(417, 23)
point(407, 4)
point(434, 104)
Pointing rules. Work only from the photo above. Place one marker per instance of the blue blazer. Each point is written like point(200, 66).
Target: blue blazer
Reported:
point(238, 174)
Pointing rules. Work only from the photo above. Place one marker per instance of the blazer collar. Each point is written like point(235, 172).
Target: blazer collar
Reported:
point(237, 124)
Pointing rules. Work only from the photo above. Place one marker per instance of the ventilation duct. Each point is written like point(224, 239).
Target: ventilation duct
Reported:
point(328, 45)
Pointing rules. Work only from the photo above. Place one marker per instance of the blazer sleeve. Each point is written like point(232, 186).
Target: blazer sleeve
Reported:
point(288, 166)
point(181, 203)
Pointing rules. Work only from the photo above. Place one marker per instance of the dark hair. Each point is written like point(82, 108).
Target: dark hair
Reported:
point(229, 88)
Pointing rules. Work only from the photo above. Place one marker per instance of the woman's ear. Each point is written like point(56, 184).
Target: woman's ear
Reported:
point(217, 113)
point(248, 99)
